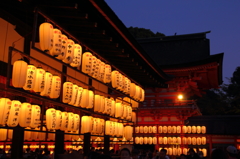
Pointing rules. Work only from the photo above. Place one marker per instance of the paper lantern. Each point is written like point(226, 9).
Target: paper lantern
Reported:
point(145, 129)
point(114, 129)
point(137, 93)
point(25, 115)
point(74, 94)
point(70, 122)
point(165, 140)
point(57, 42)
point(159, 129)
point(134, 104)
point(179, 151)
point(121, 130)
point(169, 129)
point(85, 98)
point(204, 141)
point(78, 97)
point(174, 151)
point(3, 134)
point(35, 116)
point(199, 141)
point(124, 84)
point(142, 92)
point(47, 84)
point(27, 134)
point(107, 106)
point(174, 129)
point(13, 117)
point(185, 151)
point(39, 80)
point(165, 129)
point(101, 71)
point(124, 116)
point(203, 128)
point(160, 140)
point(51, 118)
point(174, 140)
point(128, 86)
point(119, 110)
point(93, 66)
point(5, 106)
point(30, 77)
point(97, 103)
point(132, 90)
point(87, 124)
point(154, 140)
point(128, 132)
point(137, 129)
point(140, 129)
point(199, 130)
point(97, 69)
point(67, 92)
point(46, 36)
point(137, 140)
point(96, 123)
point(9, 134)
point(19, 73)
point(51, 136)
point(154, 129)
point(42, 135)
point(179, 129)
point(145, 140)
point(90, 99)
point(64, 124)
point(77, 55)
point(184, 140)
point(150, 140)
point(194, 141)
point(69, 53)
point(189, 129)
point(107, 74)
point(63, 51)
point(169, 140)
point(113, 107)
point(55, 87)
point(115, 78)
point(170, 151)
point(204, 152)
point(129, 113)
point(184, 129)
point(102, 126)
point(108, 128)
point(58, 119)
point(194, 129)
point(179, 140)
point(86, 62)
point(140, 140)
point(150, 129)
point(189, 140)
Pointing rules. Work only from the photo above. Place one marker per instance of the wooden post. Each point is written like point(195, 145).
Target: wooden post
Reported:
point(17, 143)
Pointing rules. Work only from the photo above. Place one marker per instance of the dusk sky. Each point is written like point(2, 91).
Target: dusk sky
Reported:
point(221, 17)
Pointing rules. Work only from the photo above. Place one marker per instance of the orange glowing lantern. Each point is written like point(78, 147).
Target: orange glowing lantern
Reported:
point(19, 73)
point(57, 42)
point(46, 36)
point(77, 55)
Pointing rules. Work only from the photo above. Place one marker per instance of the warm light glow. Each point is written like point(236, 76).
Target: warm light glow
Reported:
point(180, 97)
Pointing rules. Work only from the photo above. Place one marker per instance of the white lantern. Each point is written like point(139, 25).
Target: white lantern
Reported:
point(64, 44)
point(55, 87)
point(115, 78)
point(165, 140)
point(159, 129)
point(165, 129)
point(57, 42)
point(169, 129)
point(47, 84)
point(204, 152)
point(30, 77)
point(64, 124)
point(51, 118)
point(128, 132)
point(178, 129)
point(5, 106)
point(70, 122)
point(184, 129)
point(189, 129)
point(184, 139)
point(86, 124)
point(13, 117)
point(199, 130)
point(169, 140)
point(150, 129)
point(199, 141)
point(84, 103)
point(97, 103)
point(74, 94)
point(140, 140)
point(58, 119)
point(107, 74)
point(141, 129)
point(35, 116)
point(137, 129)
point(69, 55)
point(39, 81)
point(154, 140)
point(150, 140)
point(174, 140)
point(189, 140)
point(77, 55)
point(203, 129)
point(137, 93)
point(113, 107)
point(174, 129)
point(145, 129)
point(132, 90)
point(160, 140)
point(3, 134)
point(119, 110)
point(19, 73)
point(121, 130)
point(179, 141)
point(170, 151)
point(79, 97)
point(204, 141)
point(142, 95)
point(86, 62)
point(194, 141)
point(46, 36)
point(101, 71)
point(76, 124)
point(108, 128)
point(174, 151)
point(97, 69)
point(179, 151)
point(185, 151)
point(90, 99)
point(154, 129)
point(25, 115)
point(137, 140)
point(93, 66)
point(194, 129)
point(145, 140)
point(67, 92)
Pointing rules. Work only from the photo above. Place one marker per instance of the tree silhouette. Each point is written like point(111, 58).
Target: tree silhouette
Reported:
point(143, 33)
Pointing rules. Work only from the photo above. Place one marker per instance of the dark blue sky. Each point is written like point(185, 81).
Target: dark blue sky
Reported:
point(221, 17)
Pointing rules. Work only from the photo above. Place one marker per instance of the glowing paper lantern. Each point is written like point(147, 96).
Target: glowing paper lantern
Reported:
point(35, 116)
point(119, 110)
point(27, 134)
point(46, 36)
point(204, 141)
point(165, 140)
point(9, 134)
point(179, 140)
point(115, 79)
point(101, 71)
point(179, 151)
point(90, 99)
point(199, 130)
point(145, 129)
point(113, 107)
point(121, 130)
point(132, 90)
point(137, 140)
point(64, 124)
point(140, 140)
point(97, 103)
point(58, 119)
point(107, 74)
point(154, 129)
point(174, 151)
point(159, 129)
point(47, 84)
point(169, 140)
point(84, 103)
point(189, 129)
point(55, 87)
point(19, 73)
point(137, 93)
point(184, 129)
point(39, 81)
point(69, 54)
point(79, 96)
point(164, 129)
point(194, 140)
point(128, 132)
point(25, 115)
point(109, 128)
point(77, 55)
point(70, 122)
point(30, 77)
point(199, 141)
point(5, 106)
point(154, 140)
point(51, 118)
point(179, 129)
point(57, 42)
point(137, 129)
point(141, 129)
point(67, 92)
point(169, 129)
point(145, 140)
point(203, 129)
point(150, 140)
point(170, 151)
point(142, 95)
point(160, 140)
point(64, 44)
point(3, 134)
point(185, 151)
point(189, 140)
point(13, 117)
point(42, 135)
point(184, 140)
point(93, 66)
point(174, 140)
point(74, 94)
point(150, 129)
point(86, 62)
point(87, 124)
point(194, 129)
point(204, 152)
point(97, 69)
point(174, 129)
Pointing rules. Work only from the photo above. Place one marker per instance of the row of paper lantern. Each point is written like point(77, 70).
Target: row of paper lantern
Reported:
point(170, 129)
point(58, 45)
point(171, 140)
point(178, 151)
point(35, 79)
point(14, 112)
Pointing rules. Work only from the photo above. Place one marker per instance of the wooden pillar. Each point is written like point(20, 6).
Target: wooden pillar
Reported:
point(59, 143)
point(106, 144)
point(17, 142)
point(86, 144)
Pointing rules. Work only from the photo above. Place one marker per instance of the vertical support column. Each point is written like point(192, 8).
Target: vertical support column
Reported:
point(59, 143)
point(17, 142)
point(106, 144)
point(86, 144)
